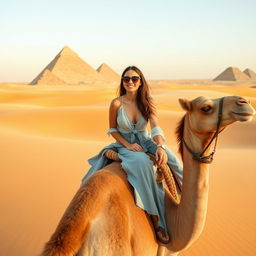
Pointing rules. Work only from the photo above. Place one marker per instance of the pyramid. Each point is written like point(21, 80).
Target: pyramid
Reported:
point(47, 77)
point(232, 74)
point(108, 73)
point(70, 68)
point(250, 73)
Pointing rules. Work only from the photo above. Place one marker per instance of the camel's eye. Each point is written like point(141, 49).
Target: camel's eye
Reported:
point(206, 109)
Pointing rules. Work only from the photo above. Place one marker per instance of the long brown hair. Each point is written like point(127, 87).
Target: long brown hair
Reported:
point(143, 98)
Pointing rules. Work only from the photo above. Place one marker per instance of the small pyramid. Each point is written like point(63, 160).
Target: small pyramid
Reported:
point(108, 73)
point(70, 68)
point(47, 77)
point(232, 74)
point(250, 73)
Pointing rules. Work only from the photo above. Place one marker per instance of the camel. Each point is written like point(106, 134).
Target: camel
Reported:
point(102, 218)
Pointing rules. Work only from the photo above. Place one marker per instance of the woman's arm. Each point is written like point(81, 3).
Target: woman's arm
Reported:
point(157, 133)
point(113, 109)
point(158, 137)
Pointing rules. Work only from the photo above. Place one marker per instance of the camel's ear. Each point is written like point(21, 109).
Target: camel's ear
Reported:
point(185, 104)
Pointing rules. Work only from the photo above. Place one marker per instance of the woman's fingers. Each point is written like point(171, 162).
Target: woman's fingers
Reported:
point(137, 148)
point(165, 159)
point(158, 158)
point(161, 157)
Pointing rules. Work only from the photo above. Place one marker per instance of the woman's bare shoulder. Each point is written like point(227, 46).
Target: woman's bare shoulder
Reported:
point(115, 103)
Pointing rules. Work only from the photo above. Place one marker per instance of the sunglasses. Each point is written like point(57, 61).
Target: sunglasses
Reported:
point(127, 79)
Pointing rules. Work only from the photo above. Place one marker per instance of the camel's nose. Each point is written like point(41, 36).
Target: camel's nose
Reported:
point(241, 101)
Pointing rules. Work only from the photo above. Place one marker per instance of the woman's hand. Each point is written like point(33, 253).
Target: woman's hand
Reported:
point(135, 147)
point(161, 156)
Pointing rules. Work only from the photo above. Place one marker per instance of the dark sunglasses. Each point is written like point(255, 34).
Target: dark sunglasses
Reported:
point(134, 79)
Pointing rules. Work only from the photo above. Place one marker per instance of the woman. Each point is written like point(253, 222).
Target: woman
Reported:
point(128, 117)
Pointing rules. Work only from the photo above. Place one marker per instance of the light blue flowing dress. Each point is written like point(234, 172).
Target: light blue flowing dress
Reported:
point(148, 195)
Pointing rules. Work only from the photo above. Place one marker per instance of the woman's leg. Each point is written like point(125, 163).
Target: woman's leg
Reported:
point(148, 194)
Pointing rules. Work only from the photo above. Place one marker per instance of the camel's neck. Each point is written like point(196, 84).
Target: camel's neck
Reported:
point(188, 221)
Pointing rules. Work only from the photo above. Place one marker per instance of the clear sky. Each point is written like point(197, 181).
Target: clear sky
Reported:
point(167, 39)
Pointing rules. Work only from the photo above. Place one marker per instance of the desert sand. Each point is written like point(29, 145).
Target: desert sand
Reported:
point(47, 133)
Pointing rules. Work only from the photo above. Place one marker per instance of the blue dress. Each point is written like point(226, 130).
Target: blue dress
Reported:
point(148, 195)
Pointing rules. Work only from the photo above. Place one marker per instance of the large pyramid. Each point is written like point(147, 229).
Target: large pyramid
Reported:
point(108, 73)
point(232, 74)
point(250, 73)
point(68, 67)
point(46, 77)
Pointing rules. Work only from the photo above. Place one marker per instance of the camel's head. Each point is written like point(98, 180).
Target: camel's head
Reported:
point(203, 112)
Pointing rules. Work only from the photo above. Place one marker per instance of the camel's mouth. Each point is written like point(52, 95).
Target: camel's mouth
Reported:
point(243, 116)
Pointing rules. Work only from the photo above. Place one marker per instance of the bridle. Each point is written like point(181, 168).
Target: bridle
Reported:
point(200, 156)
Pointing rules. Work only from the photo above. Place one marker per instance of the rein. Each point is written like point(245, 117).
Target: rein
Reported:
point(200, 156)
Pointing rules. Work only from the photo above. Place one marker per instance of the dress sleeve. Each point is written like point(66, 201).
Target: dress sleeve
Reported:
point(157, 131)
point(112, 130)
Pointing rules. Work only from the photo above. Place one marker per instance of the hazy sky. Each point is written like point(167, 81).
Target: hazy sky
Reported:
point(167, 39)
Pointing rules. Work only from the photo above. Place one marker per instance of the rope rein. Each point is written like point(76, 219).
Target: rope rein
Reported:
point(163, 173)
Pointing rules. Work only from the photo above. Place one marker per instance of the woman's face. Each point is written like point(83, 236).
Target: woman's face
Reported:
point(131, 81)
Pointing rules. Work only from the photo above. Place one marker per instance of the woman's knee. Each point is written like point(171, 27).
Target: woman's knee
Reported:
point(136, 158)
point(141, 158)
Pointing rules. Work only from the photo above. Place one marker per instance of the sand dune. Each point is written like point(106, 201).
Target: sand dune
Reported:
point(47, 135)
point(230, 224)
point(168, 100)
point(91, 122)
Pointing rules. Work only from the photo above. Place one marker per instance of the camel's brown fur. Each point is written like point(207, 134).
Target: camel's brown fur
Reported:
point(85, 205)
point(106, 192)
point(179, 135)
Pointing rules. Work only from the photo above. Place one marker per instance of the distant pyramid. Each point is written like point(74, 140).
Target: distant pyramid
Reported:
point(70, 68)
point(108, 73)
point(250, 73)
point(232, 74)
point(47, 77)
